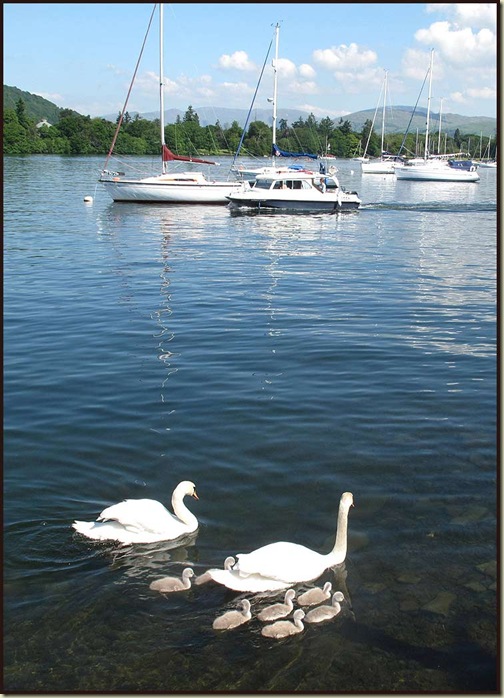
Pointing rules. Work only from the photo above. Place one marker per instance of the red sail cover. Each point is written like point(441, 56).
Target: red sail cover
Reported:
point(168, 155)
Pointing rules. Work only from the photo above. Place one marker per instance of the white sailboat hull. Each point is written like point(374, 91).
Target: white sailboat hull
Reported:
point(441, 172)
point(380, 167)
point(189, 188)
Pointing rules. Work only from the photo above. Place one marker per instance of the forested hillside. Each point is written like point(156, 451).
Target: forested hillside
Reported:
point(70, 133)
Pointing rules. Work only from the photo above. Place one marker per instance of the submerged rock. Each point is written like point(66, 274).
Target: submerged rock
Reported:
point(441, 604)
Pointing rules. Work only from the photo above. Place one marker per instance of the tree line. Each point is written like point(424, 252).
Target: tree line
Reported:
point(75, 134)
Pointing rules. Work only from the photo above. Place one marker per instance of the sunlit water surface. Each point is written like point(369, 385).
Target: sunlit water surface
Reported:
point(277, 361)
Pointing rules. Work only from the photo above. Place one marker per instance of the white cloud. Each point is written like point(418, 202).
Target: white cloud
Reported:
point(415, 64)
point(51, 96)
point(305, 88)
point(322, 113)
point(238, 60)
point(474, 15)
point(286, 68)
point(458, 97)
point(459, 46)
point(306, 71)
point(350, 58)
point(482, 93)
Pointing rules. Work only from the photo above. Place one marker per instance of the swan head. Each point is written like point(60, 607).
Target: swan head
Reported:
point(290, 595)
point(337, 597)
point(229, 562)
point(299, 614)
point(186, 487)
point(188, 573)
point(245, 604)
point(327, 588)
point(346, 500)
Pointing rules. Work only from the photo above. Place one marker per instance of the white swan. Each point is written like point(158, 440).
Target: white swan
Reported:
point(321, 613)
point(279, 610)
point(143, 520)
point(208, 575)
point(232, 619)
point(315, 595)
point(284, 628)
point(169, 584)
point(279, 565)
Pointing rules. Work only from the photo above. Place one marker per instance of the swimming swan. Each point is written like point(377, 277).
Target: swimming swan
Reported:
point(315, 596)
point(279, 565)
point(232, 619)
point(169, 584)
point(143, 520)
point(321, 613)
point(207, 576)
point(284, 628)
point(279, 610)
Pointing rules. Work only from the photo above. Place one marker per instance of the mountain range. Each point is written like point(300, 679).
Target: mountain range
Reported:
point(397, 118)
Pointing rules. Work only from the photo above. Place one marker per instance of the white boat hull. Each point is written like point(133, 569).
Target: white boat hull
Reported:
point(442, 173)
point(379, 167)
point(170, 190)
point(328, 202)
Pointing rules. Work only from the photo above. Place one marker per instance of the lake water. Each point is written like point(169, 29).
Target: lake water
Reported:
point(276, 361)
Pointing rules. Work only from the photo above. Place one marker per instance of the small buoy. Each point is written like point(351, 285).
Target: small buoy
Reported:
point(88, 199)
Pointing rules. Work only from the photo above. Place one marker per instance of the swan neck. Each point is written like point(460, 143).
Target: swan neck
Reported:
point(340, 544)
point(181, 511)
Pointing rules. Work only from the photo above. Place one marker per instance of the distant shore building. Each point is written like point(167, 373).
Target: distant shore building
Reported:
point(44, 122)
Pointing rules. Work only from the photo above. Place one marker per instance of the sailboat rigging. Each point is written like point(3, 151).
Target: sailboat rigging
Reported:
point(386, 163)
point(249, 174)
point(445, 168)
point(189, 187)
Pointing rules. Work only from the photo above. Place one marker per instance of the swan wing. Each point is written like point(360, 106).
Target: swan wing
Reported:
point(252, 583)
point(288, 562)
point(146, 515)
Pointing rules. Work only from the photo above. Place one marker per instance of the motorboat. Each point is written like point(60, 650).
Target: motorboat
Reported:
point(295, 191)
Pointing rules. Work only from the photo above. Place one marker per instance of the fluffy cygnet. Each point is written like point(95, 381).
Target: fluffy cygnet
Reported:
point(284, 628)
point(169, 584)
point(233, 619)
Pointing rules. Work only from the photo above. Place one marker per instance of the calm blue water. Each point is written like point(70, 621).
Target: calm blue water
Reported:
point(276, 361)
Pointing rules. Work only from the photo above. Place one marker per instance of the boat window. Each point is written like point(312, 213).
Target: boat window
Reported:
point(262, 184)
point(306, 185)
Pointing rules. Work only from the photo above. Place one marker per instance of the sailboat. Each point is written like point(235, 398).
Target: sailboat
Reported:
point(485, 160)
point(436, 169)
point(386, 163)
point(249, 174)
point(175, 187)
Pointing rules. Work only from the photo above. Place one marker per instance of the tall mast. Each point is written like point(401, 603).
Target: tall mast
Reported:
point(275, 86)
point(426, 152)
point(383, 114)
point(161, 81)
point(439, 134)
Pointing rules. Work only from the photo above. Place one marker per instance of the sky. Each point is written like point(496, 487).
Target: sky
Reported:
point(332, 57)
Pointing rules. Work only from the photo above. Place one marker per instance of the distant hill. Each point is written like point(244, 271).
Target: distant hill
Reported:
point(36, 107)
point(396, 118)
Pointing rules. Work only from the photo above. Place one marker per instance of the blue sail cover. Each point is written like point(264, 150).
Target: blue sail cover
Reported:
point(285, 154)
